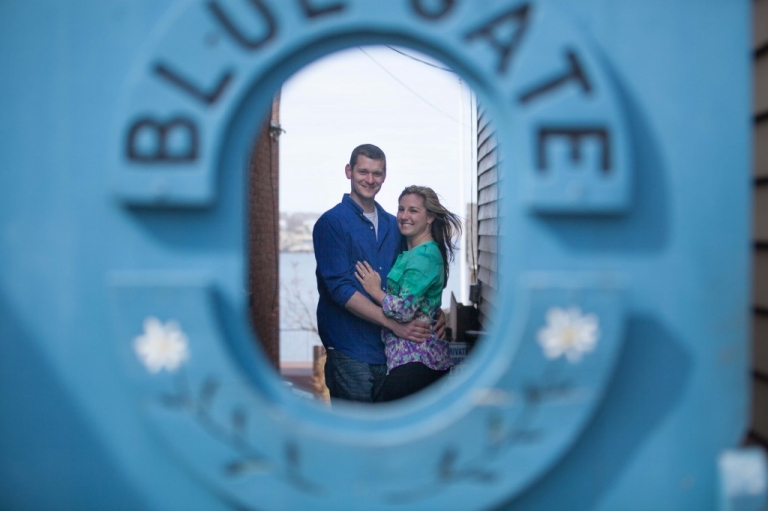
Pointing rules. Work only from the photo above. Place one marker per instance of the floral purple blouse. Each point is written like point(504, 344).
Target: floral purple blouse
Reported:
point(414, 290)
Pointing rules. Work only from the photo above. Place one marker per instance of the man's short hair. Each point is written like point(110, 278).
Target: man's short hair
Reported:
point(369, 151)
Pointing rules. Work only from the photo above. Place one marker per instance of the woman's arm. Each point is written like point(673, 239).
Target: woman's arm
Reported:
point(400, 308)
point(364, 308)
point(370, 280)
point(403, 307)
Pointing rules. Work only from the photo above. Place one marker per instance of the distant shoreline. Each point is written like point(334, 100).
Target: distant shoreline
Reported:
point(296, 232)
point(291, 250)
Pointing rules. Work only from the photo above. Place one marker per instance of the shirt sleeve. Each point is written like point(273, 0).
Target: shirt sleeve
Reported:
point(414, 285)
point(331, 254)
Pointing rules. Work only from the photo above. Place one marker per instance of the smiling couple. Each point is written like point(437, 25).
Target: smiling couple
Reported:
point(383, 342)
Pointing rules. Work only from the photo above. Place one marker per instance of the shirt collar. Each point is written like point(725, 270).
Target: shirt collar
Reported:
point(349, 201)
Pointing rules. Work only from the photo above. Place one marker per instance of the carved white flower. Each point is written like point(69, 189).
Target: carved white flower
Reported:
point(161, 346)
point(568, 333)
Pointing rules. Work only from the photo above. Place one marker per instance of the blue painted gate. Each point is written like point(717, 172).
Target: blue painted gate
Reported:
point(129, 377)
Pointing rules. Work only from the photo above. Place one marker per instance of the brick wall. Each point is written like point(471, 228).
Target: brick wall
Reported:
point(264, 235)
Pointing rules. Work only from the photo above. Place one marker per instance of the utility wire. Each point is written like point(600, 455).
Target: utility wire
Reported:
point(409, 89)
point(420, 60)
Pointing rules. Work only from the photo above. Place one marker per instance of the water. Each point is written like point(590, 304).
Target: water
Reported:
point(298, 306)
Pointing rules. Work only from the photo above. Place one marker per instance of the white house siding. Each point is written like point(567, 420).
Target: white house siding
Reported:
point(488, 195)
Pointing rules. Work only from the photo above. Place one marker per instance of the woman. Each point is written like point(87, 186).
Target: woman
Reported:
point(414, 290)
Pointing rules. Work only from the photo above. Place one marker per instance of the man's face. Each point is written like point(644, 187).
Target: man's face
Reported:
point(367, 177)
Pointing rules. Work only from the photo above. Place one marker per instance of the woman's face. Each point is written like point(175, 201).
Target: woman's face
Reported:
point(412, 217)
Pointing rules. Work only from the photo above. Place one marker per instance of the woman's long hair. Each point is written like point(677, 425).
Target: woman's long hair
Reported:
point(446, 227)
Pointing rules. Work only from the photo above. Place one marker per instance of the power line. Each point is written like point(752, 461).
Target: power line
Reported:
point(409, 89)
point(420, 60)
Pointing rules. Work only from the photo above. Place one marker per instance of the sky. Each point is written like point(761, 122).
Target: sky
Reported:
point(417, 114)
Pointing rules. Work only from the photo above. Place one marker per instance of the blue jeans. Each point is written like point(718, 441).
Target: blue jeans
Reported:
point(351, 380)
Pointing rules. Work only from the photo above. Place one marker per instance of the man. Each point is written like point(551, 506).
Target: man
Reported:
point(349, 323)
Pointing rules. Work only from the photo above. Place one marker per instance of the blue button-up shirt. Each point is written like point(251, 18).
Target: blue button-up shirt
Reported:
point(343, 236)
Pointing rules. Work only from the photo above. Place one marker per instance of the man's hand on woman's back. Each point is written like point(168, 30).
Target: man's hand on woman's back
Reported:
point(415, 330)
point(440, 324)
